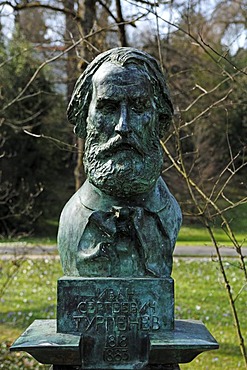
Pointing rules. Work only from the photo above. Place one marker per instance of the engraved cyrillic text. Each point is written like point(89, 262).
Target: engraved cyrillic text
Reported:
point(119, 311)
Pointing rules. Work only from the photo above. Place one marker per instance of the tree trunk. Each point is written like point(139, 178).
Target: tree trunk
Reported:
point(87, 13)
point(75, 29)
point(71, 34)
point(121, 26)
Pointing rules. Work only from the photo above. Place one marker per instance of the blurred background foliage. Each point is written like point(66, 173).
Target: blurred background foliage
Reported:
point(201, 46)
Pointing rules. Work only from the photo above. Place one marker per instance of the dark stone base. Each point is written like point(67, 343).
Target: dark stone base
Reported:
point(181, 345)
point(61, 367)
point(149, 367)
point(162, 367)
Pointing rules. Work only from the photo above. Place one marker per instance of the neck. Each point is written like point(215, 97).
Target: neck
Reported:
point(93, 197)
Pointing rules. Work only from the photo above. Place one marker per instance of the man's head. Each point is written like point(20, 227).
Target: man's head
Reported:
point(121, 106)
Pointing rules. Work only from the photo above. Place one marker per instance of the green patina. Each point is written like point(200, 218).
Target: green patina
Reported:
point(123, 221)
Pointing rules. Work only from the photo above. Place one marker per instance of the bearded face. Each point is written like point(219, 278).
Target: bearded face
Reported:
point(123, 156)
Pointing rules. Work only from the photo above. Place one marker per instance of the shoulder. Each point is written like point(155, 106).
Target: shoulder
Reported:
point(73, 220)
point(72, 207)
point(74, 217)
point(170, 214)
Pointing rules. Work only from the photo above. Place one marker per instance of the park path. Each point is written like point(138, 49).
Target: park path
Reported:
point(18, 249)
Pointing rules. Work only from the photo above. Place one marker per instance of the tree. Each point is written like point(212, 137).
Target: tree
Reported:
point(205, 63)
point(207, 148)
point(87, 15)
point(25, 168)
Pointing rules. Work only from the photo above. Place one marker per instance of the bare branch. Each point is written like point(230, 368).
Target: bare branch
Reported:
point(59, 143)
point(192, 185)
point(37, 72)
point(207, 109)
point(200, 43)
point(210, 91)
point(222, 56)
point(37, 4)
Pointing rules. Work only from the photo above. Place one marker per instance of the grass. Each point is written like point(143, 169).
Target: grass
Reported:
point(198, 235)
point(188, 236)
point(200, 295)
point(195, 235)
point(30, 240)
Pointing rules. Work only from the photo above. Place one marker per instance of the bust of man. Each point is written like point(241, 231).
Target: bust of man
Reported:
point(123, 221)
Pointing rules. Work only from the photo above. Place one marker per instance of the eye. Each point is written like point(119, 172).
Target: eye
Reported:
point(107, 106)
point(140, 105)
point(110, 107)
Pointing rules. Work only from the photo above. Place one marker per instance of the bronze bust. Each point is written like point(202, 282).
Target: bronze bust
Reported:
point(123, 221)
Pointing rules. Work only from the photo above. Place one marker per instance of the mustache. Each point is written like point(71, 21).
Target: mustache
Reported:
point(118, 143)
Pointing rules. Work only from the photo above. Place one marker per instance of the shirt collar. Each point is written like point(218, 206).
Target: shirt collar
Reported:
point(154, 201)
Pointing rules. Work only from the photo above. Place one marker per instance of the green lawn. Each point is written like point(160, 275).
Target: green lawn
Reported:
point(200, 295)
point(195, 235)
point(188, 235)
point(192, 234)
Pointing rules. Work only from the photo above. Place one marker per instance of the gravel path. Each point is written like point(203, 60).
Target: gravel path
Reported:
point(8, 250)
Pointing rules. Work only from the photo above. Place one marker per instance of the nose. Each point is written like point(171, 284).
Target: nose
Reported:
point(123, 128)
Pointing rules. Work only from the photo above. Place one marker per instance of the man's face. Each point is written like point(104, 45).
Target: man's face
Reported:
point(122, 150)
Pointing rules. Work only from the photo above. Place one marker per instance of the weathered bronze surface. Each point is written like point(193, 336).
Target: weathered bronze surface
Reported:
point(117, 233)
point(109, 305)
point(47, 346)
point(115, 317)
point(188, 339)
point(123, 221)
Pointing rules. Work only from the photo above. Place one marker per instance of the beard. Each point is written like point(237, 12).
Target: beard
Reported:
point(121, 167)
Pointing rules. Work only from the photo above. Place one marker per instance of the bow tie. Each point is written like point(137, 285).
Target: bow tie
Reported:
point(127, 227)
point(116, 221)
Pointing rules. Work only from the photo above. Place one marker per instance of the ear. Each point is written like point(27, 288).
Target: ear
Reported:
point(165, 120)
point(80, 129)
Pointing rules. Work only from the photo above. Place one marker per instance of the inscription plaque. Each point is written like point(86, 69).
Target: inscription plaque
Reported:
point(115, 317)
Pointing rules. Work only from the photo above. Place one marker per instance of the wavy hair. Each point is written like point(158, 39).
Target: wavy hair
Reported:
point(78, 106)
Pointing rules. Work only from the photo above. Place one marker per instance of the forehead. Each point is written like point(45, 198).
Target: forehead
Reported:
point(111, 79)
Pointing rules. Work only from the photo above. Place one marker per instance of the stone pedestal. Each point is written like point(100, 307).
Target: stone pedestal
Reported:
point(115, 324)
point(181, 345)
point(150, 367)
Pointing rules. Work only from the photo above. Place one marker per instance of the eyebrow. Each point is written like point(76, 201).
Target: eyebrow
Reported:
point(105, 99)
point(141, 95)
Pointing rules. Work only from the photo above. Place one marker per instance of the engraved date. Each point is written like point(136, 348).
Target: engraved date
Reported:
point(116, 349)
